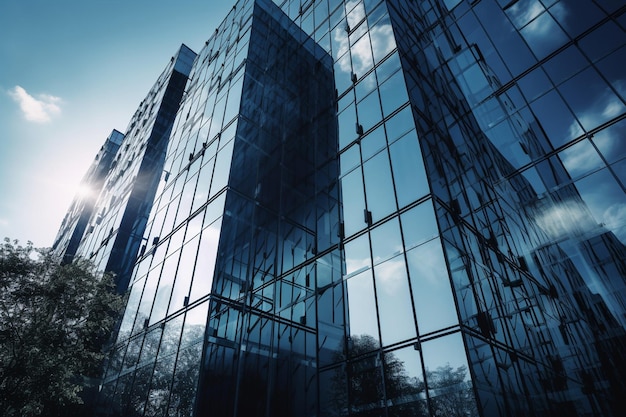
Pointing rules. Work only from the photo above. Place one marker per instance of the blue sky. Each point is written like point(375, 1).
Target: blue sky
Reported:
point(70, 72)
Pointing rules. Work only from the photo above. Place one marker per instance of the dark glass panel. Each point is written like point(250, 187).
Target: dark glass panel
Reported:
point(534, 84)
point(408, 169)
point(131, 310)
point(399, 124)
point(357, 254)
point(369, 111)
point(171, 336)
point(184, 274)
point(404, 383)
point(183, 391)
point(159, 393)
point(535, 34)
point(393, 93)
point(611, 68)
point(555, 118)
point(567, 63)
point(379, 189)
point(348, 125)
point(164, 290)
point(388, 68)
point(508, 43)
point(365, 378)
point(353, 202)
point(597, 105)
point(205, 264)
point(568, 13)
point(373, 142)
point(604, 198)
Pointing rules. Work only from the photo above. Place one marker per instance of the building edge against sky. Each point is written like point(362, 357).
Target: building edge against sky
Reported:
point(79, 214)
point(373, 208)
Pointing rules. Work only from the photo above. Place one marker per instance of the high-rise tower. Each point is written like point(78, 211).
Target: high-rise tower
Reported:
point(112, 239)
point(77, 218)
point(386, 208)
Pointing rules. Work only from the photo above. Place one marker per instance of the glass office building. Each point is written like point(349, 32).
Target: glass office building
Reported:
point(115, 204)
point(386, 208)
point(78, 215)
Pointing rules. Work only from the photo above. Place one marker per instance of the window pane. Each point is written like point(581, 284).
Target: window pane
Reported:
point(386, 241)
point(362, 319)
point(543, 35)
point(381, 200)
point(203, 274)
point(408, 169)
point(369, 111)
point(404, 382)
point(393, 93)
point(432, 295)
point(394, 301)
point(597, 105)
point(353, 202)
point(184, 274)
point(447, 376)
point(419, 224)
point(357, 254)
point(556, 119)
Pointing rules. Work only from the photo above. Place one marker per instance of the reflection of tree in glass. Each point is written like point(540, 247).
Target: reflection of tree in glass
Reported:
point(172, 386)
point(451, 394)
point(185, 381)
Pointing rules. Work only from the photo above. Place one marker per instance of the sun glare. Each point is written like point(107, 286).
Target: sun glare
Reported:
point(83, 191)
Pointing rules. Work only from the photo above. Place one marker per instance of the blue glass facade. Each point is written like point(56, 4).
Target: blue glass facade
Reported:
point(112, 239)
point(387, 208)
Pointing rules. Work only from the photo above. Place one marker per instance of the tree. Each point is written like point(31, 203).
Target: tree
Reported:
point(378, 379)
point(451, 393)
point(54, 320)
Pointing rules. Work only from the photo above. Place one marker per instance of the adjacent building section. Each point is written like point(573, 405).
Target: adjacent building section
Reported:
point(77, 218)
point(113, 237)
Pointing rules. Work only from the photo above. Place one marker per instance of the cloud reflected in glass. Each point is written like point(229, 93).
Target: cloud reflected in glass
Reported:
point(378, 44)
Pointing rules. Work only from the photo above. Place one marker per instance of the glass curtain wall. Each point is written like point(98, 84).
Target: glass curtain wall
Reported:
point(388, 208)
point(113, 238)
point(244, 229)
point(480, 185)
point(77, 219)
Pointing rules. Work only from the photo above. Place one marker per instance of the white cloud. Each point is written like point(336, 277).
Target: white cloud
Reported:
point(528, 15)
point(599, 110)
point(566, 218)
point(356, 12)
point(39, 110)
point(612, 108)
point(356, 264)
point(579, 159)
point(380, 41)
point(523, 12)
point(391, 277)
point(615, 217)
